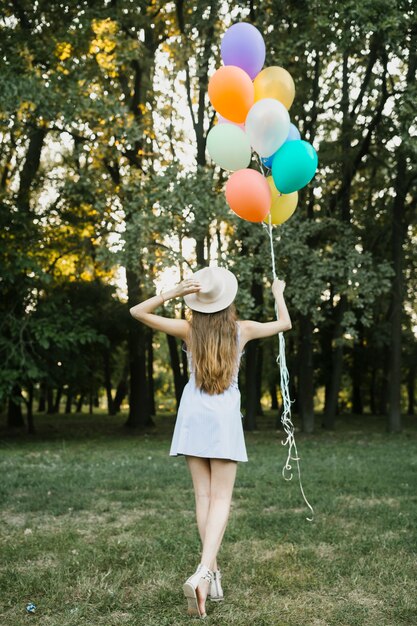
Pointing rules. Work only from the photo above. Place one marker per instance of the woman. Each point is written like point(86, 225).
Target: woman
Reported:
point(208, 430)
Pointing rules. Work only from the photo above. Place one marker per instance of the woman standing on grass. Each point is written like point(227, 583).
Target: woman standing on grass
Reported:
point(208, 429)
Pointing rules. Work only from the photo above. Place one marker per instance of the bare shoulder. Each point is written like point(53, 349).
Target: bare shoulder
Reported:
point(244, 331)
point(185, 330)
point(244, 325)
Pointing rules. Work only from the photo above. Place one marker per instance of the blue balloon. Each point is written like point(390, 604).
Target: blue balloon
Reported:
point(267, 161)
point(294, 134)
point(294, 165)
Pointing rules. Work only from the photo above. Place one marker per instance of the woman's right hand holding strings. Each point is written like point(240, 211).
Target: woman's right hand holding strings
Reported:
point(278, 287)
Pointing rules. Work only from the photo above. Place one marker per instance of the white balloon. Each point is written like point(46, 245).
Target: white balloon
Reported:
point(267, 125)
point(228, 146)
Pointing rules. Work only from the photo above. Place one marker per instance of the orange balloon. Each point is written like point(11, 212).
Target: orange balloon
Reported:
point(248, 195)
point(231, 93)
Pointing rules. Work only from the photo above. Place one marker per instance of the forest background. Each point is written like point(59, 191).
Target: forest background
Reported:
point(107, 195)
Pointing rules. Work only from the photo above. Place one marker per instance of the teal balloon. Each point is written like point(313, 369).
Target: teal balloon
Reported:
point(294, 165)
point(229, 147)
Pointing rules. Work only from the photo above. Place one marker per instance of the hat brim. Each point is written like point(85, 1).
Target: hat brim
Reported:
point(230, 286)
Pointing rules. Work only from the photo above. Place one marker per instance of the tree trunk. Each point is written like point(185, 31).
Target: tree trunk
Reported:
point(14, 409)
point(42, 398)
point(403, 183)
point(352, 159)
point(331, 407)
point(184, 370)
point(68, 402)
point(50, 400)
point(30, 167)
point(274, 396)
point(340, 200)
point(293, 385)
point(411, 379)
point(29, 408)
point(253, 356)
point(122, 387)
point(306, 375)
point(27, 174)
point(138, 97)
point(151, 386)
point(251, 392)
point(200, 253)
point(107, 384)
point(80, 403)
point(259, 364)
point(58, 399)
point(330, 410)
point(398, 234)
point(206, 36)
point(178, 375)
point(373, 392)
point(138, 397)
point(357, 374)
point(325, 338)
point(383, 384)
point(121, 392)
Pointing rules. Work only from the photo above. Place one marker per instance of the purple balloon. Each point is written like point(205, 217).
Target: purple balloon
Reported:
point(294, 134)
point(243, 46)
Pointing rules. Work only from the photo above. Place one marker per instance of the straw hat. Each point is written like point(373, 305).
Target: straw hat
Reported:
point(218, 290)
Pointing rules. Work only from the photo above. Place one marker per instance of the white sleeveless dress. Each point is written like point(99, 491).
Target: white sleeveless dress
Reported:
point(210, 426)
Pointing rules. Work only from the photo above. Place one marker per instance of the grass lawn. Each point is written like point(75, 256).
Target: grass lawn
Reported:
point(97, 528)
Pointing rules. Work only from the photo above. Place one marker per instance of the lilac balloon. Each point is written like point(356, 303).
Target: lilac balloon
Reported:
point(294, 134)
point(243, 46)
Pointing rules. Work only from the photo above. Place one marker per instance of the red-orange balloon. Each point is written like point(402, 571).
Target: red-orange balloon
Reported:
point(248, 195)
point(232, 93)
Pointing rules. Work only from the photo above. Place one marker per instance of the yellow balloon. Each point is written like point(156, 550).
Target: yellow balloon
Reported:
point(275, 82)
point(282, 206)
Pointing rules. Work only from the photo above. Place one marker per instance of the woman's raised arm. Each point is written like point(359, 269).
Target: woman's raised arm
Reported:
point(143, 312)
point(258, 330)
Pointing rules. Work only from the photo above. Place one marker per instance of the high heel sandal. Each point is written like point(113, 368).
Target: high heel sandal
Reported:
point(215, 591)
point(190, 589)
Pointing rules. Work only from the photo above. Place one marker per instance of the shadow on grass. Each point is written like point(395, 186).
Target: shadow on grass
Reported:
point(99, 425)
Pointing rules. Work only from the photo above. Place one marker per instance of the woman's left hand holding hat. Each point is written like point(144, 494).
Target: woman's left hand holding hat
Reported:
point(189, 285)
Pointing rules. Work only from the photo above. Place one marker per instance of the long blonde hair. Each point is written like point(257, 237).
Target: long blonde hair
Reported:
point(213, 345)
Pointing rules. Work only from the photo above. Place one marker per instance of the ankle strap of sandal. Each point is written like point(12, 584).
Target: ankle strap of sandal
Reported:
point(205, 572)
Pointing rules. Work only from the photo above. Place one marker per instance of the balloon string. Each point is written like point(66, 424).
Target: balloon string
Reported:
point(286, 401)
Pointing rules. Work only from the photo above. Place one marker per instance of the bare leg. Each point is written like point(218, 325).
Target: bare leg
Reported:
point(201, 476)
point(213, 481)
point(223, 474)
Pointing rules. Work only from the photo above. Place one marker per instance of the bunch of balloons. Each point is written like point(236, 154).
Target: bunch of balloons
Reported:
point(252, 106)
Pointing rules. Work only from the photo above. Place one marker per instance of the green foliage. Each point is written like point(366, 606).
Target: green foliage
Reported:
point(100, 172)
point(325, 255)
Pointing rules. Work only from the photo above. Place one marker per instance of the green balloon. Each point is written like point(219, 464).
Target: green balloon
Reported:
point(294, 165)
point(229, 147)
